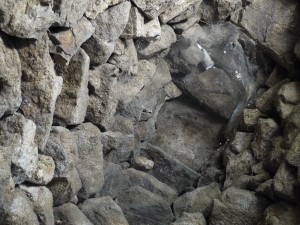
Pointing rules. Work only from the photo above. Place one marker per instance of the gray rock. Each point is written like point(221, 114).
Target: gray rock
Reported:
point(227, 7)
point(292, 127)
point(267, 189)
point(103, 96)
point(277, 75)
point(190, 219)
point(172, 91)
point(241, 142)
point(103, 211)
point(293, 154)
point(42, 202)
point(297, 50)
point(44, 171)
point(179, 132)
point(198, 201)
point(238, 206)
point(190, 11)
point(265, 131)
point(169, 170)
point(288, 98)
point(208, 11)
point(176, 9)
point(71, 104)
point(40, 86)
point(166, 39)
point(186, 24)
point(97, 6)
point(67, 42)
point(21, 211)
point(90, 163)
point(62, 148)
point(250, 118)
point(142, 207)
point(69, 214)
point(26, 19)
point(281, 213)
point(10, 76)
point(142, 163)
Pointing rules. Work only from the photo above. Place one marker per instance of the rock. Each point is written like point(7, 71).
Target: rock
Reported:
point(71, 104)
point(26, 19)
point(190, 219)
point(21, 211)
point(265, 103)
point(286, 185)
point(40, 86)
point(279, 42)
point(148, 50)
point(142, 163)
point(179, 132)
point(172, 91)
point(227, 7)
point(281, 213)
point(266, 130)
point(297, 50)
point(137, 27)
point(42, 201)
point(267, 189)
point(68, 42)
point(44, 171)
point(250, 118)
point(238, 206)
point(97, 6)
point(103, 99)
point(117, 147)
point(69, 12)
point(178, 8)
point(69, 214)
point(198, 201)
point(208, 11)
point(277, 75)
point(191, 11)
point(189, 22)
point(98, 50)
point(10, 76)
point(292, 127)
point(90, 163)
point(103, 211)
point(152, 210)
point(66, 182)
point(293, 154)
point(241, 142)
point(288, 98)
point(169, 170)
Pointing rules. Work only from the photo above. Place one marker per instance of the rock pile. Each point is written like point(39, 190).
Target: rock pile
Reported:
point(117, 112)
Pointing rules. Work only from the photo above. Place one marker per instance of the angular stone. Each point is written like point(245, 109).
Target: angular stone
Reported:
point(189, 22)
point(190, 219)
point(267, 189)
point(42, 201)
point(281, 213)
point(266, 130)
point(26, 19)
point(200, 200)
point(167, 38)
point(103, 211)
point(191, 11)
point(178, 8)
point(169, 170)
point(67, 42)
point(154, 210)
point(292, 127)
point(288, 98)
point(44, 171)
point(97, 6)
point(90, 163)
point(172, 91)
point(103, 101)
point(238, 206)
point(40, 86)
point(227, 7)
point(241, 142)
point(250, 117)
point(293, 154)
point(71, 104)
point(69, 214)
point(10, 77)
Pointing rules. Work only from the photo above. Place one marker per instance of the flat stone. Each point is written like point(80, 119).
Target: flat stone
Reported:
point(71, 104)
point(190, 219)
point(10, 76)
point(98, 6)
point(103, 211)
point(190, 11)
point(152, 211)
point(189, 22)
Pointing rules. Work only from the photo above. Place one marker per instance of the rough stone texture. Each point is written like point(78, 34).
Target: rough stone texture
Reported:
point(167, 38)
point(10, 77)
point(198, 201)
point(238, 206)
point(242, 141)
point(40, 86)
point(103, 101)
point(250, 117)
point(42, 201)
point(288, 98)
point(292, 127)
point(90, 163)
point(226, 7)
point(293, 154)
point(97, 6)
point(169, 170)
point(190, 219)
point(71, 104)
point(277, 75)
point(67, 42)
point(103, 211)
point(172, 91)
point(179, 132)
point(267, 189)
point(69, 214)
point(26, 19)
point(281, 213)
point(142, 207)
point(186, 24)
point(297, 50)
point(62, 148)
point(44, 171)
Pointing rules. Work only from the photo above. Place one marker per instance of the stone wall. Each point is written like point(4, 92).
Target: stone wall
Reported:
point(147, 112)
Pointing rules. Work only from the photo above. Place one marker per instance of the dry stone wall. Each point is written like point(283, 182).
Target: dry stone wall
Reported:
point(147, 112)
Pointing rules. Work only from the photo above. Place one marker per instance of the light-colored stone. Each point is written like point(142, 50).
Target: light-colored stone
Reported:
point(172, 91)
point(190, 219)
point(189, 22)
point(227, 7)
point(250, 117)
point(97, 6)
point(44, 171)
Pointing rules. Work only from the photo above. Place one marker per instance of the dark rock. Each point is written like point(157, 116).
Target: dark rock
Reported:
point(292, 127)
point(277, 75)
point(293, 154)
